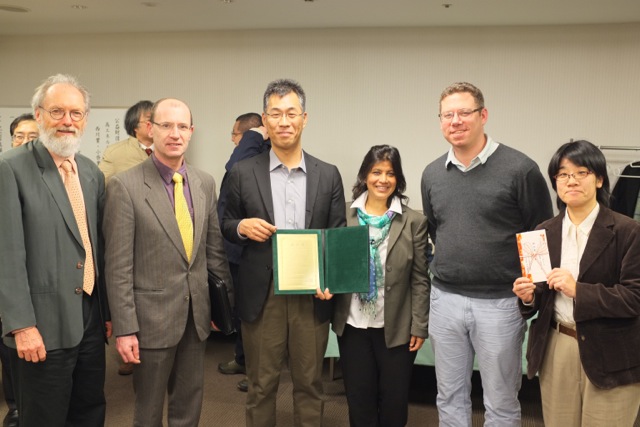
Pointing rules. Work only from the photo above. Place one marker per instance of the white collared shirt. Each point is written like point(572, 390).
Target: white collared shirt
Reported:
point(489, 148)
point(574, 241)
point(357, 318)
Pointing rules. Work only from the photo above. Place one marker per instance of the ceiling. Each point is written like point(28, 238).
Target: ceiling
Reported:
point(111, 16)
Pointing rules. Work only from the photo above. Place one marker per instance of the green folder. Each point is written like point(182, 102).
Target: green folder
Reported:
point(334, 258)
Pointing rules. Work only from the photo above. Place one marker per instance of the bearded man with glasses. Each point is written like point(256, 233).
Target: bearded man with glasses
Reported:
point(52, 297)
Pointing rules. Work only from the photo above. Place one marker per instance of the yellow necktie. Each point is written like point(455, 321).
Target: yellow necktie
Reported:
point(182, 215)
point(72, 185)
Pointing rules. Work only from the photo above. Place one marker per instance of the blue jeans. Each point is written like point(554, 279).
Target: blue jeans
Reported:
point(493, 330)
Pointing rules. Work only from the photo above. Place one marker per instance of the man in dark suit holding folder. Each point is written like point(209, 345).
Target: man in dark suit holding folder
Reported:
point(281, 189)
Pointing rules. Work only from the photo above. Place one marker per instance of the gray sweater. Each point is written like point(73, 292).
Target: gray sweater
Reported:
point(474, 216)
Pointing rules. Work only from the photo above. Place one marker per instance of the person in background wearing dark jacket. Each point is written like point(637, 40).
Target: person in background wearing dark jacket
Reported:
point(250, 138)
point(585, 341)
point(380, 331)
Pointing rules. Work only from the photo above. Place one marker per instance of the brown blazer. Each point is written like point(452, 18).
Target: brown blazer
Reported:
point(407, 285)
point(607, 303)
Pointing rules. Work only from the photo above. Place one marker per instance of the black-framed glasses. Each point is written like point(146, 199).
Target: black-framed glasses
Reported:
point(578, 176)
point(463, 114)
point(59, 113)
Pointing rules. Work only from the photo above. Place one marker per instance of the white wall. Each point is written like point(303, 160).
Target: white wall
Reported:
point(543, 85)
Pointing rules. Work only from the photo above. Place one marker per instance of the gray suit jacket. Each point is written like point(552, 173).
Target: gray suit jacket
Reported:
point(407, 285)
point(41, 252)
point(148, 276)
point(250, 197)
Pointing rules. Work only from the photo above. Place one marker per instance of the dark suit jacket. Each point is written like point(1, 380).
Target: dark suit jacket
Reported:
point(41, 248)
point(251, 144)
point(607, 303)
point(250, 197)
point(148, 275)
point(407, 285)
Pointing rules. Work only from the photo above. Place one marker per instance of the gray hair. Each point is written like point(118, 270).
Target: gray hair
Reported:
point(283, 87)
point(41, 90)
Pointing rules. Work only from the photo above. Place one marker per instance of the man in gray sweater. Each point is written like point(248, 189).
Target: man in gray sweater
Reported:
point(476, 198)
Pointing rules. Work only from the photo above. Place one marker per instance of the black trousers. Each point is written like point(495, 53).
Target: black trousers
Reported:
point(7, 380)
point(67, 389)
point(376, 378)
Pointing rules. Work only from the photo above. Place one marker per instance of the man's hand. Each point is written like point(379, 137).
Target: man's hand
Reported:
point(326, 295)
point(256, 229)
point(415, 343)
point(127, 346)
point(29, 345)
point(108, 328)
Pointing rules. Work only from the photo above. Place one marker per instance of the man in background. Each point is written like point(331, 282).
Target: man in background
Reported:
point(284, 188)
point(162, 238)
point(23, 129)
point(52, 300)
point(476, 198)
point(129, 152)
point(250, 138)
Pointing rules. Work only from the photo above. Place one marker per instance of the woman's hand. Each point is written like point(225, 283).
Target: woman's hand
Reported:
point(415, 343)
point(562, 281)
point(524, 288)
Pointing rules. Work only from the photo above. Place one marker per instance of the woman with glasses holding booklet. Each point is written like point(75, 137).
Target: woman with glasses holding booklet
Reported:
point(585, 342)
point(380, 331)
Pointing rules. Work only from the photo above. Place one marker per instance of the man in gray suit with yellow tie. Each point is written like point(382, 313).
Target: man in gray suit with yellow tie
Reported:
point(162, 237)
point(284, 188)
point(52, 298)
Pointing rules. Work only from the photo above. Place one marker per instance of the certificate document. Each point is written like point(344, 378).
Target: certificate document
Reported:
point(336, 258)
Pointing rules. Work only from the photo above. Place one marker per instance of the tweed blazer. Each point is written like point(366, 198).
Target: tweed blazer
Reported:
point(41, 251)
point(121, 156)
point(149, 279)
point(406, 282)
point(607, 303)
point(250, 196)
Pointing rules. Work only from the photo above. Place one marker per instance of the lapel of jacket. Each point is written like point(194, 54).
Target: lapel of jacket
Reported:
point(313, 181)
point(599, 238)
point(158, 200)
point(554, 239)
point(198, 200)
point(263, 181)
point(53, 180)
point(397, 225)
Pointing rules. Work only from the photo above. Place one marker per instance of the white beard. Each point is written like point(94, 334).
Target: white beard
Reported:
point(65, 146)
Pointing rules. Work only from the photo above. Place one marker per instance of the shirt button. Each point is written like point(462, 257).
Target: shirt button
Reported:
point(78, 291)
point(79, 265)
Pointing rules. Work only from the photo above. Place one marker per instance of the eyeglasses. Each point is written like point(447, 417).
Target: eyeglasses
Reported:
point(21, 138)
point(578, 176)
point(463, 114)
point(59, 113)
point(168, 127)
point(234, 134)
point(278, 115)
